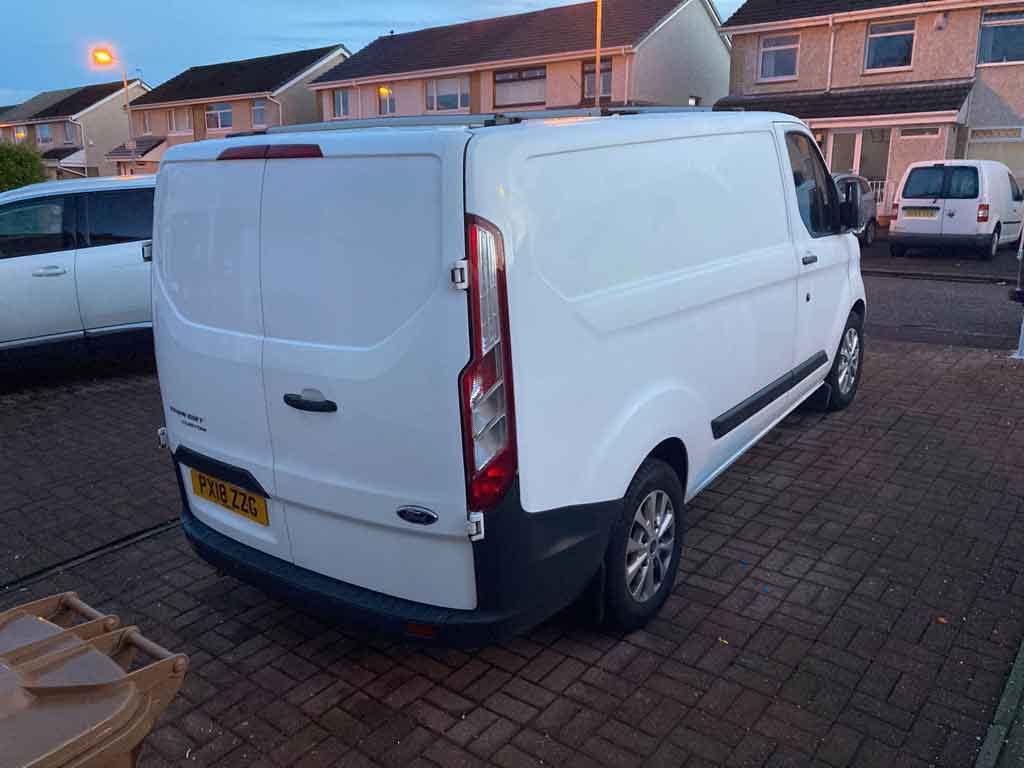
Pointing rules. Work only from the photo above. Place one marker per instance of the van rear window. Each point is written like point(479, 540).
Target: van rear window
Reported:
point(942, 183)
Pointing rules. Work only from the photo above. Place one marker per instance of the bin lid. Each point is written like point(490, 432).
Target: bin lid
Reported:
point(68, 691)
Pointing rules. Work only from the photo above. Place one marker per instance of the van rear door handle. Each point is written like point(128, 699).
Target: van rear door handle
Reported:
point(810, 258)
point(310, 400)
point(51, 271)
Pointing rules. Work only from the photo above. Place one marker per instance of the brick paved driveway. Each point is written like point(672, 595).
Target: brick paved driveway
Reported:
point(853, 595)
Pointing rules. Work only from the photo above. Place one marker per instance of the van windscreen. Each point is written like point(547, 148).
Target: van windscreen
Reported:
point(942, 183)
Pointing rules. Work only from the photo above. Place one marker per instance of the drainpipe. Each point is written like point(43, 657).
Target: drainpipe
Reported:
point(831, 50)
point(626, 100)
point(280, 108)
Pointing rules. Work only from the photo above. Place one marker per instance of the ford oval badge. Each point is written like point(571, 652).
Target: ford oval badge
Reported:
point(417, 515)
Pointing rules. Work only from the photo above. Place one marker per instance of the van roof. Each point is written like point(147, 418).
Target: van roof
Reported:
point(523, 126)
point(968, 163)
point(72, 186)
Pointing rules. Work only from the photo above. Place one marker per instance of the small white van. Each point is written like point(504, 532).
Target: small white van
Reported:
point(976, 204)
point(442, 379)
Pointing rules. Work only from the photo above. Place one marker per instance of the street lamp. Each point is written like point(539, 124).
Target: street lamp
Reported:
point(102, 57)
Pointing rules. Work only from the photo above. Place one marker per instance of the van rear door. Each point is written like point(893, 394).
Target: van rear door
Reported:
point(921, 210)
point(962, 191)
point(208, 328)
point(365, 340)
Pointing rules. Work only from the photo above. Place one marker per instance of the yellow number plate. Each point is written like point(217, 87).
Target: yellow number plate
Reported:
point(919, 213)
point(231, 497)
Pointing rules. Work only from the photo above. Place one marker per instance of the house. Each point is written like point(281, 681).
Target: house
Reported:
point(883, 83)
point(73, 128)
point(653, 51)
point(218, 99)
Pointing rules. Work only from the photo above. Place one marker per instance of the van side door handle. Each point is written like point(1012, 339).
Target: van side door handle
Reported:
point(147, 250)
point(310, 400)
point(51, 271)
point(809, 259)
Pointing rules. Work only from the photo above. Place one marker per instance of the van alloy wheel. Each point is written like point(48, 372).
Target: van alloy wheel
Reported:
point(651, 545)
point(994, 245)
point(849, 360)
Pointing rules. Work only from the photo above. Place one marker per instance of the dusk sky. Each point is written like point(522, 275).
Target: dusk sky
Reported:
point(46, 42)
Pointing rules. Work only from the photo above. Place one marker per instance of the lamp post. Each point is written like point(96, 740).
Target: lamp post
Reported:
point(103, 57)
point(597, 60)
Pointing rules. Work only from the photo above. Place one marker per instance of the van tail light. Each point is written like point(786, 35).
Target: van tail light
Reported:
point(983, 213)
point(485, 384)
point(895, 210)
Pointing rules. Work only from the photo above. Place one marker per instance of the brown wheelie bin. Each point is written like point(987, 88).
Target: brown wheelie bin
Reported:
point(72, 694)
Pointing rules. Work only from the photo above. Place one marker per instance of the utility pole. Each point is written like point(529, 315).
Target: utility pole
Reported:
point(597, 59)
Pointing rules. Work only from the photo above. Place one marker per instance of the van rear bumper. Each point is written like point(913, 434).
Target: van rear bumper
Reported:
point(528, 567)
point(924, 240)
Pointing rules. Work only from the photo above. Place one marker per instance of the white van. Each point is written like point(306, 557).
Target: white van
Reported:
point(74, 260)
point(441, 379)
point(969, 203)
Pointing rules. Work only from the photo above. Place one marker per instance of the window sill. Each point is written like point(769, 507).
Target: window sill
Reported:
point(886, 70)
point(770, 80)
point(992, 64)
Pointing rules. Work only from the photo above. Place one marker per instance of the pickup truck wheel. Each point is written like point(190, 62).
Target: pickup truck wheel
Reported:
point(643, 554)
point(844, 378)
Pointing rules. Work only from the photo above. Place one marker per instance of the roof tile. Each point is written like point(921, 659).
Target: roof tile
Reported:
point(765, 11)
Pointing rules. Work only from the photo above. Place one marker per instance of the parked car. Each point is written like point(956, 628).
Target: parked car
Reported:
point(74, 260)
point(854, 187)
point(442, 380)
point(968, 203)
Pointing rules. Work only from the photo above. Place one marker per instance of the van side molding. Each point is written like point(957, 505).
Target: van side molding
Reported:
point(728, 421)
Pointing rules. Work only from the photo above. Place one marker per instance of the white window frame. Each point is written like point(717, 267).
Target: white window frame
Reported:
point(49, 133)
point(69, 132)
point(519, 71)
point(147, 123)
point(869, 36)
point(218, 109)
point(341, 102)
point(253, 109)
point(430, 90)
point(387, 101)
point(172, 120)
point(1011, 133)
point(930, 132)
point(1008, 23)
point(761, 48)
point(611, 77)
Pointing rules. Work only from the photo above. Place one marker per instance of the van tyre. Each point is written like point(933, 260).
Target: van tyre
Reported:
point(646, 540)
point(844, 378)
point(992, 248)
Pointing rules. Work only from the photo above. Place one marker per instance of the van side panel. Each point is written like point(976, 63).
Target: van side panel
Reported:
point(651, 289)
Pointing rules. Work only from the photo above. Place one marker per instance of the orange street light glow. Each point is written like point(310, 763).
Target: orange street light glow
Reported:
point(102, 56)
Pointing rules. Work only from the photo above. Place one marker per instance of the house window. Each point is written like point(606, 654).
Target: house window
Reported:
point(447, 93)
point(386, 104)
point(147, 127)
point(520, 87)
point(1002, 37)
point(779, 57)
point(218, 115)
point(890, 44)
point(917, 133)
point(19, 134)
point(259, 112)
point(606, 79)
point(69, 133)
point(180, 119)
point(43, 134)
point(341, 102)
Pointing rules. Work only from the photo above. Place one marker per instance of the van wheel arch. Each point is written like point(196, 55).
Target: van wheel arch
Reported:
point(673, 452)
point(859, 309)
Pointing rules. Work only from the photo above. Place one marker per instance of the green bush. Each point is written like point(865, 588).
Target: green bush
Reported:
point(19, 165)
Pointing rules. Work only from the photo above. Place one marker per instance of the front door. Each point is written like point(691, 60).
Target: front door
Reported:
point(37, 270)
point(113, 274)
point(822, 253)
